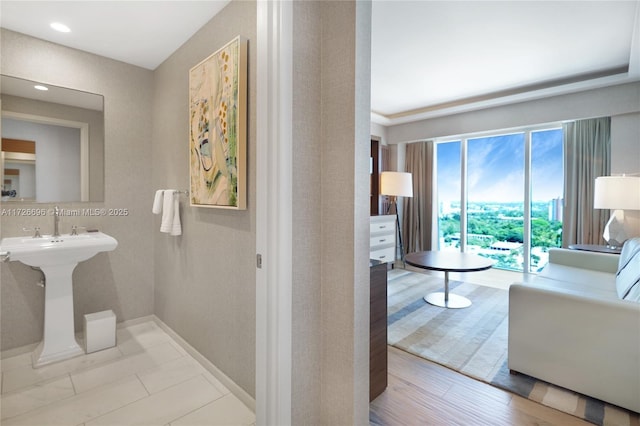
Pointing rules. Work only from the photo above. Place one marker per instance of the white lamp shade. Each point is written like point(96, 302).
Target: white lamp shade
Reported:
point(617, 193)
point(396, 183)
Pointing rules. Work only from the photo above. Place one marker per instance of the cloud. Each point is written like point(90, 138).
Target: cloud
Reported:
point(495, 168)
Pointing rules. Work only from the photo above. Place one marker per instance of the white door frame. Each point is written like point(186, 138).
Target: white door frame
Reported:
point(274, 211)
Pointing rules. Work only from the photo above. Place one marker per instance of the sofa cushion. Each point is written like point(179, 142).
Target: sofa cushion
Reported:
point(577, 280)
point(628, 275)
point(630, 248)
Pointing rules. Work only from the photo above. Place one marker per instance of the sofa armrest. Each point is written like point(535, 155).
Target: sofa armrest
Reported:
point(603, 262)
point(583, 343)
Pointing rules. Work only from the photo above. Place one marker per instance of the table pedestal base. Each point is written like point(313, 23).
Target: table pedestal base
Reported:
point(454, 302)
point(447, 300)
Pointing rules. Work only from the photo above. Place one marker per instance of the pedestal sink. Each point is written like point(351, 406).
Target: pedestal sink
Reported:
point(57, 257)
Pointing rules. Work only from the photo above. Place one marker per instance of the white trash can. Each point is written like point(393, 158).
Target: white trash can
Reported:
point(99, 331)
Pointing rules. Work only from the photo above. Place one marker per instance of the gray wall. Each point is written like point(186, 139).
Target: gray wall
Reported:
point(330, 294)
point(625, 156)
point(205, 279)
point(625, 142)
point(121, 280)
point(346, 81)
point(307, 215)
point(379, 131)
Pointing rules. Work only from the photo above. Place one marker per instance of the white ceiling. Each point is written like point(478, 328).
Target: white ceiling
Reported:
point(142, 33)
point(428, 57)
point(435, 57)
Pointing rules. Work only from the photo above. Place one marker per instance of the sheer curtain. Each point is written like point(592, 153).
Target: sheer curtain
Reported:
point(587, 151)
point(418, 210)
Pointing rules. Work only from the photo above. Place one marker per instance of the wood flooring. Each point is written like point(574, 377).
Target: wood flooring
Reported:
point(420, 392)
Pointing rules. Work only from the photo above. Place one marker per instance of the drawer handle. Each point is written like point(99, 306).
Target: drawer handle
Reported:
point(383, 256)
point(382, 241)
point(383, 226)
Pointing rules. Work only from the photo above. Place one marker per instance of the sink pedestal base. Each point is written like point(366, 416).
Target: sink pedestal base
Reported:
point(59, 340)
point(38, 358)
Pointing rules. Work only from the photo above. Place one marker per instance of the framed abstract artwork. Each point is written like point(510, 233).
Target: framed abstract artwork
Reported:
point(218, 128)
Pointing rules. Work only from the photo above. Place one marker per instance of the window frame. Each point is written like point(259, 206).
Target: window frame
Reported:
point(463, 139)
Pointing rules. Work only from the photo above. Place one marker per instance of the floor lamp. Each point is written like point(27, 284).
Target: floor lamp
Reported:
point(396, 184)
point(617, 193)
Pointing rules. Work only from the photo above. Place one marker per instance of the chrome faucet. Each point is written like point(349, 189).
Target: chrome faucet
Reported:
point(56, 221)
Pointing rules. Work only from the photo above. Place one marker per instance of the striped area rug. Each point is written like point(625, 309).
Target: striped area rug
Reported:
point(473, 341)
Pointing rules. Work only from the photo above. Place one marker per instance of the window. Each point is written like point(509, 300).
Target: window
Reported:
point(547, 188)
point(500, 196)
point(448, 181)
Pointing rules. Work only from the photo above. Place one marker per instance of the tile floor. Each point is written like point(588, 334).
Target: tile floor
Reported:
point(147, 379)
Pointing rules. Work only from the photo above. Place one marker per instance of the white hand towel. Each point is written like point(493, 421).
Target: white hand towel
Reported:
point(176, 227)
point(167, 211)
point(157, 202)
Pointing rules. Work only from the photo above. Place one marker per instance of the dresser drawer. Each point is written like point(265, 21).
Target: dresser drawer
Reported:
point(383, 226)
point(384, 255)
point(381, 240)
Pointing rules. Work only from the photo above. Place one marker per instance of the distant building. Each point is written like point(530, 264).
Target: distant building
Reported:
point(555, 209)
point(505, 246)
point(480, 237)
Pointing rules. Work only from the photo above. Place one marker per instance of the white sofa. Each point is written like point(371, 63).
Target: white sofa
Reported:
point(577, 324)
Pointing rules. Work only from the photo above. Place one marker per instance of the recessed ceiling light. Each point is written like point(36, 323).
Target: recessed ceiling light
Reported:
point(40, 87)
point(60, 27)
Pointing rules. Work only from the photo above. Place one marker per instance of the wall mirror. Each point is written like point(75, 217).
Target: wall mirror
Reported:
point(52, 143)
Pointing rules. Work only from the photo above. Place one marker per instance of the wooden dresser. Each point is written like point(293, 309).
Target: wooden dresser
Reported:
point(377, 329)
point(382, 250)
point(382, 245)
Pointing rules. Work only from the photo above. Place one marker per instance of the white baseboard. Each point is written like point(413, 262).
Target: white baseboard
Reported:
point(19, 350)
point(135, 321)
point(240, 393)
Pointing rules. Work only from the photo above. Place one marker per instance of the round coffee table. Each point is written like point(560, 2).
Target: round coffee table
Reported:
point(448, 261)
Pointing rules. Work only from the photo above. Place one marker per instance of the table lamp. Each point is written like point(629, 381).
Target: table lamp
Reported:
point(617, 193)
point(396, 184)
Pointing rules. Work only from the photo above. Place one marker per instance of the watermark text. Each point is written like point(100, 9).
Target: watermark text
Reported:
point(83, 212)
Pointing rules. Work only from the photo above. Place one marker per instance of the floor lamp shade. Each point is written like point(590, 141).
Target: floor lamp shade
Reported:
point(398, 184)
point(617, 193)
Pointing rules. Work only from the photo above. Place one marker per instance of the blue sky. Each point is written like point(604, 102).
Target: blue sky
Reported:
point(495, 168)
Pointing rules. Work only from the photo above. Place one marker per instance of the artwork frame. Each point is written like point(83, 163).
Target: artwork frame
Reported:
point(218, 128)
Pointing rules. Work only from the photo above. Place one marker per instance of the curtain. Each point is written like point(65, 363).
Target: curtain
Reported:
point(418, 210)
point(587, 155)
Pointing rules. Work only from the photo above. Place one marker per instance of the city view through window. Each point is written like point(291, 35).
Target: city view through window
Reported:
point(495, 190)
